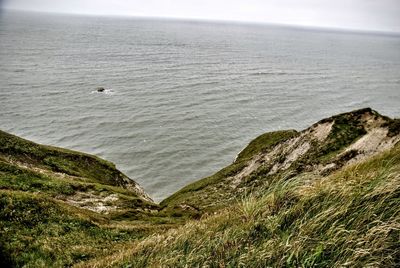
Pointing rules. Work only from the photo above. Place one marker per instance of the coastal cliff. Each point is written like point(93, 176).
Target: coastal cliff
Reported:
point(319, 150)
point(324, 196)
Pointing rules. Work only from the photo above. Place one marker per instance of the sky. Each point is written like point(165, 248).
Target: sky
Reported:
point(366, 15)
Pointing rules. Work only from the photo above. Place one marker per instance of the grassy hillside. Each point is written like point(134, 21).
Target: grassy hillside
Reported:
point(25, 153)
point(40, 232)
point(60, 207)
point(321, 149)
point(199, 193)
point(348, 219)
point(327, 196)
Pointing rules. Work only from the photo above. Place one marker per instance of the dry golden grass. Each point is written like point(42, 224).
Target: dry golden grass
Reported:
point(349, 219)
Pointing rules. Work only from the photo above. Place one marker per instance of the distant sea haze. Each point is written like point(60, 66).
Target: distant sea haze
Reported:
point(182, 98)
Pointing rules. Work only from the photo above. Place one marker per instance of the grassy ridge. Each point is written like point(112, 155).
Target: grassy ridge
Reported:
point(322, 148)
point(264, 143)
point(261, 211)
point(40, 226)
point(211, 186)
point(40, 232)
point(39, 229)
point(348, 219)
point(15, 149)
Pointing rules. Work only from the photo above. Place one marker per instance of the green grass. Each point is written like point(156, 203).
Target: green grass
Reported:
point(13, 148)
point(192, 193)
point(346, 129)
point(40, 228)
point(349, 219)
point(185, 192)
point(36, 231)
point(293, 218)
point(265, 142)
point(14, 178)
point(20, 179)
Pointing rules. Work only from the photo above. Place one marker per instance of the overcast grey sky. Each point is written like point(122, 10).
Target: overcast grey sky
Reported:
point(372, 15)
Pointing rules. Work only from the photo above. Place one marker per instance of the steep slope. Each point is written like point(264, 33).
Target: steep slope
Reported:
point(59, 207)
point(319, 150)
point(62, 162)
point(76, 178)
point(350, 218)
point(325, 196)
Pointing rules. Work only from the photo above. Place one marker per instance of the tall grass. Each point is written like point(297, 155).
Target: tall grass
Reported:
point(349, 219)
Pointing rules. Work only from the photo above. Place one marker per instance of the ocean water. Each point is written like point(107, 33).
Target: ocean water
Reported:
point(183, 98)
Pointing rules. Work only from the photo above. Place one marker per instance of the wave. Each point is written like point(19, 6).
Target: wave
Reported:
point(282, 73)
point(105, 92)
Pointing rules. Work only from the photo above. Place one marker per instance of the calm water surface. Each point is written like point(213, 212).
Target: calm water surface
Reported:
point(185, 97)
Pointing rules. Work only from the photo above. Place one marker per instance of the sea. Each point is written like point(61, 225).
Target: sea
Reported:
point(182, 98)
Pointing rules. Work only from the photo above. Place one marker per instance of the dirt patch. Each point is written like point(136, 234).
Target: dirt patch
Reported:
point(372, 121)
point(321, 131)
point(46, 172)
point(253, 165)
point(293, 149)
point(93, 202)
point(376, 140)
point(296, 154)
point(140, 191)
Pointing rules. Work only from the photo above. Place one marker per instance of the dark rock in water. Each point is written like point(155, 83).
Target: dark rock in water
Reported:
point(100, 89)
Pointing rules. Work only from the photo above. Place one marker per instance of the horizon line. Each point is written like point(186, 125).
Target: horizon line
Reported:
point(218, 21)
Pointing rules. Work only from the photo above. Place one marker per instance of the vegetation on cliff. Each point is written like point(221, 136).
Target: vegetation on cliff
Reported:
point(321, 149)
point(327, 196)
point(59, 207)
point(348, 219)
